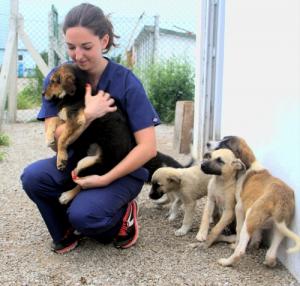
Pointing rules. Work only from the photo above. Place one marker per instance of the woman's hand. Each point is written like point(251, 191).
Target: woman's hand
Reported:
point(92, 181)
point(97, 105)
point(137, 157)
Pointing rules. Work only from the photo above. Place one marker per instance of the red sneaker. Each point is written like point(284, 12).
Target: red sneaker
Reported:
point(129, 231)
point(68, 243)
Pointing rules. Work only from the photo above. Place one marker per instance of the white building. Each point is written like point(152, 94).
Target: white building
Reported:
point(164, 45)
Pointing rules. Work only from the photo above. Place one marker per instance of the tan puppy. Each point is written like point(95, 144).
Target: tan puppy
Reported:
point(224, 166)
point(262, 201)
point(188, 184)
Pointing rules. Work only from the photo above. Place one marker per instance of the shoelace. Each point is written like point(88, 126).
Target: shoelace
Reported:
point(124, 226)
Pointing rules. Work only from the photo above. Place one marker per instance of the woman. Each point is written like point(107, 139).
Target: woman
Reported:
point(106, 209)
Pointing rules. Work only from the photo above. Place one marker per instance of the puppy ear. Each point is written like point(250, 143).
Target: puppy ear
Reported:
point(238, 165)
point(174, 179)
point(68, 83)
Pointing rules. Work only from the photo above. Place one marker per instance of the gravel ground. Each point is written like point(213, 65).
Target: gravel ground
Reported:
point(159, 258)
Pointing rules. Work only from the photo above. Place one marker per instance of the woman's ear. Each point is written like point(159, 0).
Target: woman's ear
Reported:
point(104, 41)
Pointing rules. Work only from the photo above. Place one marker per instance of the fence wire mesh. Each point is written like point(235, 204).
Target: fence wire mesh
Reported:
point(145, 38)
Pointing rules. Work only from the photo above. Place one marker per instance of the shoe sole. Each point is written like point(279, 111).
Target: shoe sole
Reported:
point(67, 248)
point(136, 235)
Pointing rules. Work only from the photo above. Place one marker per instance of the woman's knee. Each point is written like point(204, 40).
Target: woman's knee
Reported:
point(90, 221)
point(30, 178)
point(38, 178)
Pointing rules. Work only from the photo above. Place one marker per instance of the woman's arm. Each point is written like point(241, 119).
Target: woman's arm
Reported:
point(137, 157)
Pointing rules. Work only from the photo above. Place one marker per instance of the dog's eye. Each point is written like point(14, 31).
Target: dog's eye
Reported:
point(220, 161)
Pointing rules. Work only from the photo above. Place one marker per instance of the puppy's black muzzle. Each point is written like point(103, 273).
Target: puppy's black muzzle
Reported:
point(208, 168)
point(155, 194)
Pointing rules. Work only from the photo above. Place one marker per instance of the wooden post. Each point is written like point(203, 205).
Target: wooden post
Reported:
point(184, 117)
point(10, 47)
point(13, 76)
point(51, 36)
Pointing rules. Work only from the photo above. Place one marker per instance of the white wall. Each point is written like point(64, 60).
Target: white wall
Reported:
point(261, 90)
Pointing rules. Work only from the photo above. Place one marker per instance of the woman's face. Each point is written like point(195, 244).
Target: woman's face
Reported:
point(85, 48)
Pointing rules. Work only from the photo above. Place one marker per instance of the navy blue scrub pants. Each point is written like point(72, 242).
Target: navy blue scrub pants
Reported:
point(96, 212)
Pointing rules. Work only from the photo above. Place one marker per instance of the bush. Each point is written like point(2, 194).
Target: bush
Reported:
point(166, 83)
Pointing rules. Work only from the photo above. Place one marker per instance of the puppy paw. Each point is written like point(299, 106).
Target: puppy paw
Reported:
point(181, 231)
point(51, 143)
point(61, 164)
point(270, 262)
point(224, 262)
point(158, 206)
point(171, 217)
point(201, 236)
point(61, 160)
point(65, 198)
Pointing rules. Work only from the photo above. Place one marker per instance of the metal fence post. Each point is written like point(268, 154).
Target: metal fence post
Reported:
point(156, 38)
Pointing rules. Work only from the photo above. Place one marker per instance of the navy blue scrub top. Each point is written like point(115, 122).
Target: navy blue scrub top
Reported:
point(127, 91)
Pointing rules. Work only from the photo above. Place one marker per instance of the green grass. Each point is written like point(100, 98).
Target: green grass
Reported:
point(4, 141)
point(29, 97)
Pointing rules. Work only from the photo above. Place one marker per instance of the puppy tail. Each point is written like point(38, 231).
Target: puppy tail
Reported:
point(190, 163)
point(287, 232)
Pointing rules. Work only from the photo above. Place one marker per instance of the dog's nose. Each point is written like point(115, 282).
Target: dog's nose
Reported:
point(155, 195)
point(208, 145)
point(205, 167)
point(202, 167)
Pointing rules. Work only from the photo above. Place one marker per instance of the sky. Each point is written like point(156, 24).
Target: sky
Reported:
point(177, 15)
point(172, 11)
point(166, 9)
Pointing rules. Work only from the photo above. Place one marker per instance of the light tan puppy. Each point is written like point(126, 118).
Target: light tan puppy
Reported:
point(263, 201)
point(188, 185)
point(224, 166)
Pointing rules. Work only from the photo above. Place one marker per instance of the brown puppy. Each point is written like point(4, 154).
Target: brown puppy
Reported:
point(224, 166)
point(67, 89)
point(262, 201)
point(187, 184)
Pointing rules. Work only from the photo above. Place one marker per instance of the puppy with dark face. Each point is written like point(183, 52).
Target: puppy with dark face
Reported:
point(186, 184)
point(237, 145)
point(224, 166)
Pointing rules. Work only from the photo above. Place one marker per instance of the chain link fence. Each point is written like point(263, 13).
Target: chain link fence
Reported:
point(145, 39)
